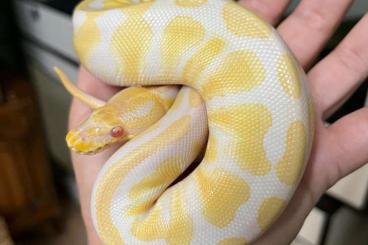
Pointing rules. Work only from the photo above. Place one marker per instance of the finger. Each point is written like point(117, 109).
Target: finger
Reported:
point(348, 140)
point(270, 10)
point(312, 23)
point(343, 70)
point(94, 86)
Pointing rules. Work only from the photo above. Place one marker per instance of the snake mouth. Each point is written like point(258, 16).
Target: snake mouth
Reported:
point(79, 145)
point(91, 152)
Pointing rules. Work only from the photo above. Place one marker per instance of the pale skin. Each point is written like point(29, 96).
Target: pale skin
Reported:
point(338, 149)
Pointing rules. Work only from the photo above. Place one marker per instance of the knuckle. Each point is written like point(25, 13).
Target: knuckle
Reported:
point(263, 9)
point(351, 59)
point(314, 19)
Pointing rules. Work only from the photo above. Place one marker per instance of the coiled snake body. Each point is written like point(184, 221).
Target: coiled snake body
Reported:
point(237, 73)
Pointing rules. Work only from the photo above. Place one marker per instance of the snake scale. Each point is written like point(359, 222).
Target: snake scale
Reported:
point(201, 74)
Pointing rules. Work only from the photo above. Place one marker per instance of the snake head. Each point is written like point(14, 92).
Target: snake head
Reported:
point(100, 130)
point(124, 116)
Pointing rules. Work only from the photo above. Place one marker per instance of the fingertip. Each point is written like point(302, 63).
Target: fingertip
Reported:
point(269, 10)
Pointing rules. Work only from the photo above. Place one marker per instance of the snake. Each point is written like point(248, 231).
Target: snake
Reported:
point(213, 123)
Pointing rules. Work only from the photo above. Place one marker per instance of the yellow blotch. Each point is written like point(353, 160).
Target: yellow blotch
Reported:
point(161, 92)
point(131, 40)
point(199, 61)
point(190, 3)
point(291, 164)
point(84, 6)
point(195, 99)
point(106, 115)
point(143, 206)
point(244, 23)
point(239, 71)
point(211, 151)
point(178, 101)
point(138, 108)
point(233, 241)
point(73, 140)
point(150, 227)
point(288, 76)
point(137, 8)
point(269, 211)
point(167, 171)
point(181, 34)
point(127, 94)
point(178, 231)
point(111, 4)
point(87, 37)
point(138, 117)
point(248, 125)
point(134, 97)
point(222, 193)
point(115, 174)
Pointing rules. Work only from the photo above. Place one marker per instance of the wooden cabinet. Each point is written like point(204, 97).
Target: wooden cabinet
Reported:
point(27, 194)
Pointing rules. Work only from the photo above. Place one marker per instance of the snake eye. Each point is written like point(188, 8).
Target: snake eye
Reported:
point(117, 132)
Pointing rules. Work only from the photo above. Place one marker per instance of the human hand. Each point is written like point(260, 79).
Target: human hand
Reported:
point(86, 167)
point(338, 150)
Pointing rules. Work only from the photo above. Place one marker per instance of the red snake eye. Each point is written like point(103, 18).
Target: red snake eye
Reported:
point(117, 132)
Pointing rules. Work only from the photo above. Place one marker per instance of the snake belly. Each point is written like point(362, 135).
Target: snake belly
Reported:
point(254, 97)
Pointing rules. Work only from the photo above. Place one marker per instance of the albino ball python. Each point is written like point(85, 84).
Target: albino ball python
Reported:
point(237, 73)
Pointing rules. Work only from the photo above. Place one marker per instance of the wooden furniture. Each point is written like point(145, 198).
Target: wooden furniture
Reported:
point(5, 238)
point(27, 194)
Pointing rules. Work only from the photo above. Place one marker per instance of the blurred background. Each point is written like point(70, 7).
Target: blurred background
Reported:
point(38, 195)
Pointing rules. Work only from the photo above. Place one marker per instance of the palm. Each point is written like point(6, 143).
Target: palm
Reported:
point(338, 150)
